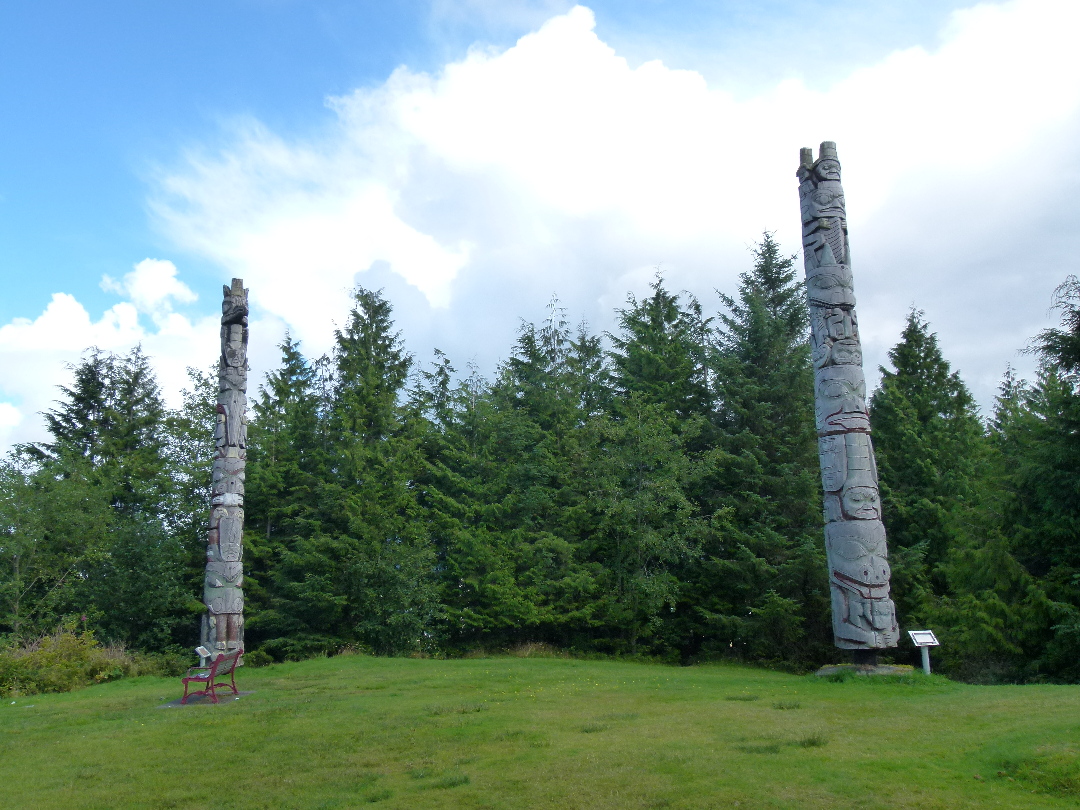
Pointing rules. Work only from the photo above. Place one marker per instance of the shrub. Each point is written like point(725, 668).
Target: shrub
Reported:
point(61, 661)
point(257, 658)
point(163, 665)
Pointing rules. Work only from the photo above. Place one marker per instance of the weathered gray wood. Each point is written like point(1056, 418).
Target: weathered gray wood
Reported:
point(864, 617)
point(223, 622)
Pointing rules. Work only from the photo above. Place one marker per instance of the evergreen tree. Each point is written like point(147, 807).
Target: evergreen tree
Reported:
point(659, 353)
point(1048, 467)
point(931, 457)
point(101, 506)
point(112, 417)
point(515, 497)
point(646, 531)
point(1036, 431)
point(189, 450)
point(357, 566)
point(286, 449)
point(762, 573)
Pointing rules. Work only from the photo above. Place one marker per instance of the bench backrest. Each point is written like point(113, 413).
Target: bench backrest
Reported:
point(225, 662)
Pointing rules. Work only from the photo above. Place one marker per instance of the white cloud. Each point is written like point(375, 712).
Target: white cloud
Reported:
point(151, 286)
point(35, 354)
point(10, 417)
point(554, 165)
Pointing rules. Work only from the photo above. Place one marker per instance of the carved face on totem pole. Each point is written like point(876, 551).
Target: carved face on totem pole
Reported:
point(840, 402)
point(830, 286)
point(828, 169)
point(858, 554)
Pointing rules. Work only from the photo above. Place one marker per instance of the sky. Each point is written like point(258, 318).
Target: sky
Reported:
point(475, 158)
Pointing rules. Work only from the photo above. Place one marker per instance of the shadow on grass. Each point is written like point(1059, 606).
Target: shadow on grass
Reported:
point(462, 708)
point(814, 740)
point(445, 782)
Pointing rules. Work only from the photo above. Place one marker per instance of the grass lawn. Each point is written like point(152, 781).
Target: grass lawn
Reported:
point(544, 732)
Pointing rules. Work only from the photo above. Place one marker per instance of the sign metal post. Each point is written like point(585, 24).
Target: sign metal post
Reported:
point(924, 640)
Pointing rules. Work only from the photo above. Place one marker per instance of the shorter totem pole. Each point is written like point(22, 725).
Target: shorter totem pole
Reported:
point(223, 622)
point(864, 618)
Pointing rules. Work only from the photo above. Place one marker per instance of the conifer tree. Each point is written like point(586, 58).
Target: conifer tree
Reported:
point(286, 452)
point(1036, 430)
point(361, 568)
point(757, 483)
point(931, 458)
point(105, 500)
point(645, 532)
point(659, 352)
point(112, 417)
point(516, 568)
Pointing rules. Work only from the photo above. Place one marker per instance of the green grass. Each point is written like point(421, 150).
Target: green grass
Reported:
point(355, 731)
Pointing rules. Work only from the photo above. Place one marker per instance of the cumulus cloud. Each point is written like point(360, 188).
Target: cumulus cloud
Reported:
point(152, 287)
point(474, 193)
point(36, 354)
point(10, 417)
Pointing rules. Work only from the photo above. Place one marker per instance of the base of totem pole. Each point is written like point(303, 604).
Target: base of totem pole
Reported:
point(864, 658)
point(864, 669)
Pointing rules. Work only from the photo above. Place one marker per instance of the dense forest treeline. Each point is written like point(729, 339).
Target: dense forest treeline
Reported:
point(650, 492)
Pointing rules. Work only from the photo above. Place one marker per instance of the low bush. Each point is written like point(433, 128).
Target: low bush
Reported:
point(64, 660)
point(257, 658)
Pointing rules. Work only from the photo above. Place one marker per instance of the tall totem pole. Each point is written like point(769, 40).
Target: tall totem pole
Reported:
point(223, 622)
point(864, 618)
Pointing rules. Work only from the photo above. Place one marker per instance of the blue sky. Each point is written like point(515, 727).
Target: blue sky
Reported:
point(426, 148)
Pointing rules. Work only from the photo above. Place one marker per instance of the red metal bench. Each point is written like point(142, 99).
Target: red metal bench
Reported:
point(213, 676)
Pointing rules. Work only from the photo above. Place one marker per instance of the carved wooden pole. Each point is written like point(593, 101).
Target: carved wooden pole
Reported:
point(864, 618)
point(223, 622)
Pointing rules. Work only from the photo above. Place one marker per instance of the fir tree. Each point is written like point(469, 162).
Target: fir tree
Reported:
point(931, 458)
point(111, 518)
point(362, 571)
point(112, 417)
point(659, 352)
point(762, 573)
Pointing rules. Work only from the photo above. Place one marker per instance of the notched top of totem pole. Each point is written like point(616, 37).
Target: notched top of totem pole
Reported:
point(234, 305)
point(826, 151)
point(824, 214)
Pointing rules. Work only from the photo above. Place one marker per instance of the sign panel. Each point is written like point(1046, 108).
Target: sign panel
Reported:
point(923, 638)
